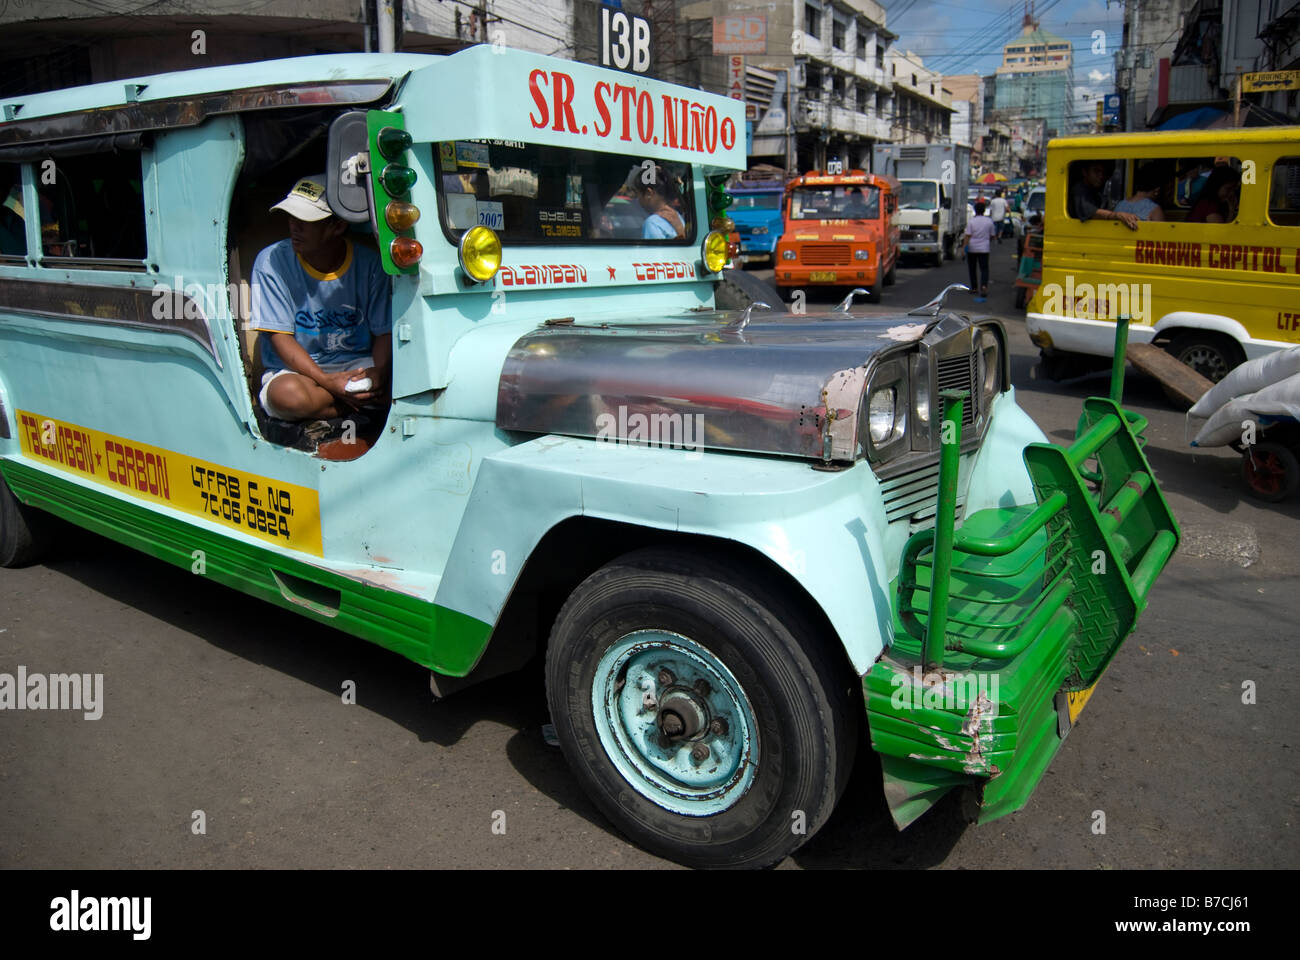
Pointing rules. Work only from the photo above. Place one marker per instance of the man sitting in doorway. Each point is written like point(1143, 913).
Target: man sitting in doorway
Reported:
point(324, 309)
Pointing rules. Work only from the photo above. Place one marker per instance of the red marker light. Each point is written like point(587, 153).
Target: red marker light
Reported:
point(405, 252)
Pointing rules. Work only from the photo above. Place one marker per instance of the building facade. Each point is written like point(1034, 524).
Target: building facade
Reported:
point(1033, 82)
point(922, 106)
point(817, 83)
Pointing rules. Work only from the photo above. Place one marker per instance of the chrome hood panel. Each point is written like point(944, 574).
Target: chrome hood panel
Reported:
point(705, 381)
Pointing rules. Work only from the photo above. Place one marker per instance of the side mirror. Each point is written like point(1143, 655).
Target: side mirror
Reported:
point(347, 167)
point(947, 203)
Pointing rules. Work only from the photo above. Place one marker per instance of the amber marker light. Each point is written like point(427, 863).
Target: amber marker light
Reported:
point(714, 251)
point(480, 253)
point(401, 215)
point(405, 251)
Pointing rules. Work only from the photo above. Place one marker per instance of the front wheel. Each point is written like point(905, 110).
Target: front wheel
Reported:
point(892, 275)
point(873, 291)
point(1210, 354)
point(697, 712)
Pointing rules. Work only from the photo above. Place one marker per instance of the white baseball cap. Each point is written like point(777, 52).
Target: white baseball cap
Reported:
point(306, 200)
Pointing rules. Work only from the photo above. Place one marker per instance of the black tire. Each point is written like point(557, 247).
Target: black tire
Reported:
point(1210, 354)
point(873, 291)
point(948, 247)
point(804, 707)
point(21, 528)
point(1270, 471)
point(892, 275)
point(737, 290)
point(1021, 297)
point(938, 259)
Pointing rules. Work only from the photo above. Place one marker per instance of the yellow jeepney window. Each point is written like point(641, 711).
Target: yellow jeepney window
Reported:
point(1284, 193)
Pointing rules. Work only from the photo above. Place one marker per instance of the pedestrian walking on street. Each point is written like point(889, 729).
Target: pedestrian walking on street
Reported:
point(979, 233)
point(998, 213)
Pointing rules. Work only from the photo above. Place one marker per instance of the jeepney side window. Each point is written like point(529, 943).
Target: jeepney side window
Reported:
point(92, 208)
point(1094, 184)
point(1202, 190)
point(13, 222)
point(1284, 193)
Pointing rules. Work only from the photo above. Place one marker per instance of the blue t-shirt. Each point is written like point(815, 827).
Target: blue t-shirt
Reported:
point(657, 228)
point(332, 315)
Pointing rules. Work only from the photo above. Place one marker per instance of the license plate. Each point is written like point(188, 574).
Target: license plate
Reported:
point(1069, 704)
point(823, 276)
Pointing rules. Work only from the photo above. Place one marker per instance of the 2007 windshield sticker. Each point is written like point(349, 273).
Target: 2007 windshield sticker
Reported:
point(280, 513)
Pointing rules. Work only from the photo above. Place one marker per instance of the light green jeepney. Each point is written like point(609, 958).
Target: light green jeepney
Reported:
point(733, 534)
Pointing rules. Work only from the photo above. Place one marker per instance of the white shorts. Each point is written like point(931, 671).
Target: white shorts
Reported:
point(269, 375)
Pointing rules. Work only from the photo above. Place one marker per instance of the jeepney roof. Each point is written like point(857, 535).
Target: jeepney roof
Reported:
point(1206, 139)
point(331, 68)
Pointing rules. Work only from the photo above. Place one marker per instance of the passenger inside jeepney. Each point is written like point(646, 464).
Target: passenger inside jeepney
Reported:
point(323, 307)
point(13, 226)
point(660, 197)
point(1086, 201)
point(1217, 201)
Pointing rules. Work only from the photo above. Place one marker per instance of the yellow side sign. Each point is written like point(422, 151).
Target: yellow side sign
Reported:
point(280, 513)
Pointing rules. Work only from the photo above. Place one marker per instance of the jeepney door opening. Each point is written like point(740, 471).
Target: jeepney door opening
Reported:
point(281, 147)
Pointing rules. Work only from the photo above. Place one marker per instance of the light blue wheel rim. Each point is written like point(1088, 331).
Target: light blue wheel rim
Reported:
point(628, 700)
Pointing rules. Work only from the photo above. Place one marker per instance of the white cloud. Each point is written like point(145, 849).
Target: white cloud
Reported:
point(1096, 76)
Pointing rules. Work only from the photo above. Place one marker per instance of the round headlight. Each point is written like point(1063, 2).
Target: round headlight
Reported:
point(789, 255)
point(714, 251)
point(880, 414)
point(480, 253)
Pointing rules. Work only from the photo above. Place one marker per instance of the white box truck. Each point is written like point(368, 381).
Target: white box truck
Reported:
point(933, 178)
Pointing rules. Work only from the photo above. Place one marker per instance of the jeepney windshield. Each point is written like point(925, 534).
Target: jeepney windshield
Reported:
point(758, 201)
point(531, 193)
point(918, 195)
point(852, 202)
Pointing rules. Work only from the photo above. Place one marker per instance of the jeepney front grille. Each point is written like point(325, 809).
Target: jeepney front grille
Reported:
point(824, 254)
point(959, 373)
point(914, 496)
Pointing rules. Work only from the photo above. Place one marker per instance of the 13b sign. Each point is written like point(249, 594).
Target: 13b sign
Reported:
point(624, 40)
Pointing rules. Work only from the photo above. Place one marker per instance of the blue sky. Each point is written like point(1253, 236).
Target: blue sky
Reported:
point(955, 37)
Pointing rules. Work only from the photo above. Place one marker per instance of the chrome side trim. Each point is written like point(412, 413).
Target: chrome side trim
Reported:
point(131, 307)
point(188, 112)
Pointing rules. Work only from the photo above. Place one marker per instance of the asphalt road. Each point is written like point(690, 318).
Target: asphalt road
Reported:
point(217, 703)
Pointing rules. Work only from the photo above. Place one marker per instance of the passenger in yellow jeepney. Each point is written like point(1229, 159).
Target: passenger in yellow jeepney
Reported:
point(324, 309)
point(1085, 196)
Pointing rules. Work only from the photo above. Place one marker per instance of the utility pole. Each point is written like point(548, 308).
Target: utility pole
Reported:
point(387, 33)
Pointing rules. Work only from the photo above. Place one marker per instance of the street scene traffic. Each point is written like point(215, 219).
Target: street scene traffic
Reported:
point(712, 439)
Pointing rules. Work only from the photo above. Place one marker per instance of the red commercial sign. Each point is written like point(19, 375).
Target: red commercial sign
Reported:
point(747, 34)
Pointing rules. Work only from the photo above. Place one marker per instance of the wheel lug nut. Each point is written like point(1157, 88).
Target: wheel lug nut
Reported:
point(648, 701)
point(702, 687)
point(666, 678)
point(700, 752)
point(718, 727)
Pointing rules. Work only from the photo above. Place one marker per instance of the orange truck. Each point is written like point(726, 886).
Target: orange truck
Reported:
point(840, 230)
